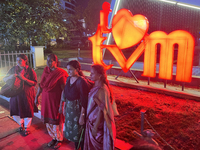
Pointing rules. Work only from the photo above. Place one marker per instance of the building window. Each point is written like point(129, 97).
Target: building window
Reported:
point(69, 6)
point(70, 11)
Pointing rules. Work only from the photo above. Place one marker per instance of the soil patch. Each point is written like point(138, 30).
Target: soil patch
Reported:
point(176, 120)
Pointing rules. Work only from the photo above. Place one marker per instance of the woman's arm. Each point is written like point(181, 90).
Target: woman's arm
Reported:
point(62, 107)
point(83, 100)
point(30, 82)
point(39, 91)
point(82, 117)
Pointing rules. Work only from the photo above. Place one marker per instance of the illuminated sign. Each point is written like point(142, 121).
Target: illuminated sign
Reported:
point(129, 30)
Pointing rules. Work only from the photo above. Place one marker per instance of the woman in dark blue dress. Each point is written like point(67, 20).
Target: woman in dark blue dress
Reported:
point(75, 97)
point(22, 105)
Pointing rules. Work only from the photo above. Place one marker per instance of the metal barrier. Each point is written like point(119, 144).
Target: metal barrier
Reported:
point(8, 59)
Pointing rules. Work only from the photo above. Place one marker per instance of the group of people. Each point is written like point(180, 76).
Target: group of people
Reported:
point(85, 107)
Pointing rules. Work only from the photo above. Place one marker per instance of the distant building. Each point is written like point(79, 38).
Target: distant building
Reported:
point(76, 36)
point(165, 15)
point(69, 6)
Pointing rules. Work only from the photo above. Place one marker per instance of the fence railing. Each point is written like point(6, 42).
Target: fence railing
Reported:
point(8, 59)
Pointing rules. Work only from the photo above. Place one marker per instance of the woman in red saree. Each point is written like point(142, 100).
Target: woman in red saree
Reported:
point(52, 83)
point(100, 130)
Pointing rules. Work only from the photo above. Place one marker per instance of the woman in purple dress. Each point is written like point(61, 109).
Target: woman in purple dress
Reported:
point(22, 105)
point(100, 130)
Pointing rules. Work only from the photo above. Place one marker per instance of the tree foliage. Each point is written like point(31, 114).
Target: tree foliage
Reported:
point(92, 14)
point(39, 20)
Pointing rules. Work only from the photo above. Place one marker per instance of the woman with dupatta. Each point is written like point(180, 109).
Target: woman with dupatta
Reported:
point(22, 105)
point(100, 130)
point(74, 99)
point(52, 83)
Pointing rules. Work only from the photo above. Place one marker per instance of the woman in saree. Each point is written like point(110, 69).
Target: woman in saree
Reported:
point(100, 130)
point(22, 105)
point(52, 83)
point(74, 100)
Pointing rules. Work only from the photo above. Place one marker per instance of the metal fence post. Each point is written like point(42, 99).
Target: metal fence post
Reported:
point(1, 60)
point(34, 59)
point(142, 120)
point(4, 59)
point(13, 60)
point(8, 59)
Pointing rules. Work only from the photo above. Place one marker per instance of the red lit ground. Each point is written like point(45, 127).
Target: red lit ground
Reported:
point(176, 120)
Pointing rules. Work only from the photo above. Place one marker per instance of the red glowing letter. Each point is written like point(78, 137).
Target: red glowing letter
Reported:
point(185, 42)
point(129, 30)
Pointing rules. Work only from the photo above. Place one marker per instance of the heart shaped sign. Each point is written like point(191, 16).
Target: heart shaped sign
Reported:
point(128, 30)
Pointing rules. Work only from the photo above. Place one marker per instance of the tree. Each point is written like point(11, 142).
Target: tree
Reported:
point(38, 20)
point(92, 14)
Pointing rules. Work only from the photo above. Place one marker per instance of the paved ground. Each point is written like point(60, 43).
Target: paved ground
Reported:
point(10, 139)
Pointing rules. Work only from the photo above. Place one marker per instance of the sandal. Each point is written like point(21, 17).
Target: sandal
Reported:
point(21, 128)
point(26, 132)
point(52, 143)
point(57, 145)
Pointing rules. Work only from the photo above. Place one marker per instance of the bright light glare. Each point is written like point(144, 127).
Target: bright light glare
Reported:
point(168, 1)
point(181, 4)
point(188, 6)
point(109, 35)
point(117, 7)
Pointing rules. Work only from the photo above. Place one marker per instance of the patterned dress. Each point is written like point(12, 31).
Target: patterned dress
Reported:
point(76, 96)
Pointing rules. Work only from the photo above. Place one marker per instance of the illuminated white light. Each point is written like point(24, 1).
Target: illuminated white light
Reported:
point(117, 6)
point(108, 39)
point(188, 6)
point(116, 9)
point(168, 1)
point(178, 3)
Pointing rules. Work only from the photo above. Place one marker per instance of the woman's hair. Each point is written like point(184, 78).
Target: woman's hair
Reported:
point(55, 58)
point(100, 70)
point(76, 65)
point(24, 57)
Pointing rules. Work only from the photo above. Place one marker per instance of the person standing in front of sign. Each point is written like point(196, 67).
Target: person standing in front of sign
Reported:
point(22, 105)
point(52, 83)
point(74, 99)
point(100, 130)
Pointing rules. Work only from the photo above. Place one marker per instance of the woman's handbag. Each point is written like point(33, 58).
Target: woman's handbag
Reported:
point(12, 88)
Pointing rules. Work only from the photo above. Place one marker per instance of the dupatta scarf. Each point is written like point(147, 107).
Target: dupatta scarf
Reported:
point(50, 78)
point(99, 97)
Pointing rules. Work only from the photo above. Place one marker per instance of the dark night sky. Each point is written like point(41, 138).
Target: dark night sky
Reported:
point(82, 3)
